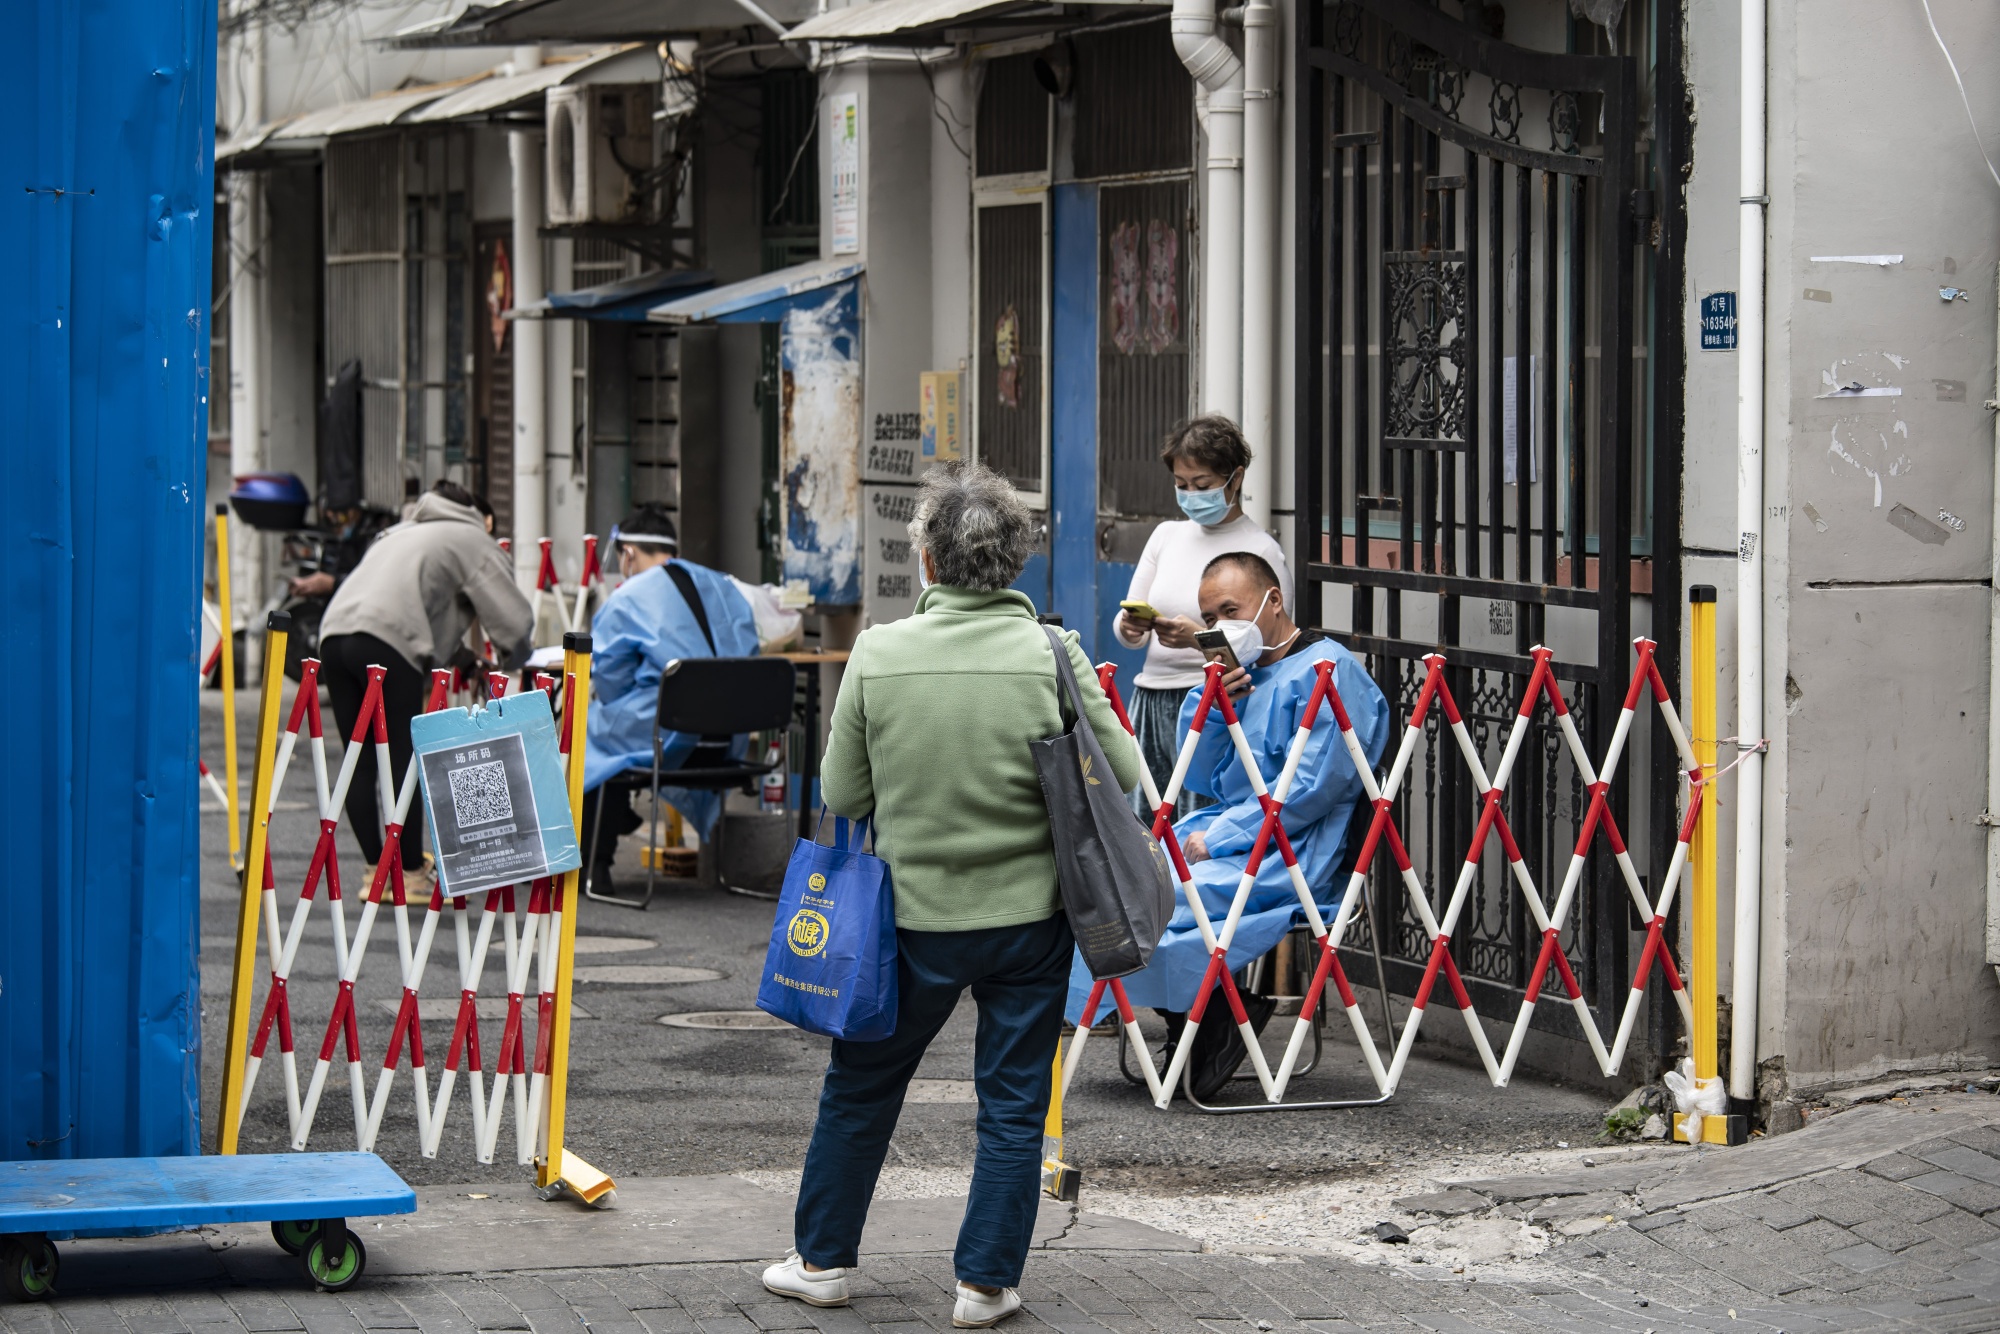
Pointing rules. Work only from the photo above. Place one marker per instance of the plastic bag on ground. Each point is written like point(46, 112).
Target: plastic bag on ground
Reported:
point(1694, 1099)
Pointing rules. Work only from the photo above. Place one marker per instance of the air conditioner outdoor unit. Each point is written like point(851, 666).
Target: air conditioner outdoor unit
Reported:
point(600, 138)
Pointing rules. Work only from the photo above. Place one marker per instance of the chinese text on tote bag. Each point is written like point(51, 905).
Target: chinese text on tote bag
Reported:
point(831, 966)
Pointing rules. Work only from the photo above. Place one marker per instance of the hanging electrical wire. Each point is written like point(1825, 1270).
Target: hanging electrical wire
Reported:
point(1965, 101)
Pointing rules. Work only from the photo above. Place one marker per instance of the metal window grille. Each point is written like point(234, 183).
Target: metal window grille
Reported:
point(1011, 137)
point(1134, 103)
point(1144, 235)
point(1011, 371)
point(399, 299)
point(1471, 425)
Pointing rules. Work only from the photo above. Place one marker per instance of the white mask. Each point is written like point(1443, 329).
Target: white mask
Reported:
point(1246, 638)
point(923, 577)
point(1246, 641)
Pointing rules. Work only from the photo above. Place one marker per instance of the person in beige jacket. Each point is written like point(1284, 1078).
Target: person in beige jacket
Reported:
point(406, 608)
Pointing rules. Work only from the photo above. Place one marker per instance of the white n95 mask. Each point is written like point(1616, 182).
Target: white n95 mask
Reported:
point(1246, 641)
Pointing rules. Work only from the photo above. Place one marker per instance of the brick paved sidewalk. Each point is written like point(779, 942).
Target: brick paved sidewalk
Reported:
point(1067, 1293)
point(1864, 1221)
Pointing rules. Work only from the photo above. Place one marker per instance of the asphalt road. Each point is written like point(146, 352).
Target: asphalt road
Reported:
point(647, 1099)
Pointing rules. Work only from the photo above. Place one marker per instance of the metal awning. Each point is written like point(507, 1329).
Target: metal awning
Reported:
point(941, 22)
point(760, 300)
point(505, 92)
point(309, 132)
point(370, 113)
point(624, 299)
point(517, 22)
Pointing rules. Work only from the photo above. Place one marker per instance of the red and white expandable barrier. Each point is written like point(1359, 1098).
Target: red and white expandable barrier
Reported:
point(571, 614)
point(1382, 832)
point(527, 939)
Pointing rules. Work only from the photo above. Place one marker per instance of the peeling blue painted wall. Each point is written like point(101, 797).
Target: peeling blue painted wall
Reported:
point(819, 350)
point(106, 190)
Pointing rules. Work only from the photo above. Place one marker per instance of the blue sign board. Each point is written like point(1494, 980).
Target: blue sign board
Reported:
point(494, 790)
point(1718, 322)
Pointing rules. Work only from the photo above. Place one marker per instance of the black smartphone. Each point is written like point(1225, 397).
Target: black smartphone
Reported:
point(1214, 646)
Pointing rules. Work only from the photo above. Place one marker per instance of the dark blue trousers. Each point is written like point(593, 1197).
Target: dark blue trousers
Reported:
point(1019, 976)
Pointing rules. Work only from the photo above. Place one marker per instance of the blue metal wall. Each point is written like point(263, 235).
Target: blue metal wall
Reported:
point(106, 189)
point(1085, 588)
point(1073, 416)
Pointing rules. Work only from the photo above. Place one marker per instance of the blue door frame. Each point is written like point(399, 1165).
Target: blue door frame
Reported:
point(1071, 581)
point(1083, 589)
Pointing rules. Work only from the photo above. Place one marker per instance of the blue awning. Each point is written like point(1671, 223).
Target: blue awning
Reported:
point(624, 299)
point(760, 300)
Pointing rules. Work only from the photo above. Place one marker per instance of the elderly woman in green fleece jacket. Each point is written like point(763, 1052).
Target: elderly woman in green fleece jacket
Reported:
point(930, 737)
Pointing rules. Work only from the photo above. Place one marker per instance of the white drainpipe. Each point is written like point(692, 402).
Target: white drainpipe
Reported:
point(1750, 567)
point(1992, 817)
point(1260, 249)
point(1220, 73)
point(246, 351)
point(531, 439)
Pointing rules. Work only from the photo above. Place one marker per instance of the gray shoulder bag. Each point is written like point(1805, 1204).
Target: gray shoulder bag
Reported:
point(1116, 888)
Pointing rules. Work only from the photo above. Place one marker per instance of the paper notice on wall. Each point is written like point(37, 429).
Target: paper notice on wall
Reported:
point(1510, 416)
point(889, 585)
point(845, 109)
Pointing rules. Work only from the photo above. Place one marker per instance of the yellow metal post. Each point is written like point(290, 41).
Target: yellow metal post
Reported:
point(269, 710)
point(1703, 982)
point(1059, 1179)
point(227, 667)
point(560, 1170)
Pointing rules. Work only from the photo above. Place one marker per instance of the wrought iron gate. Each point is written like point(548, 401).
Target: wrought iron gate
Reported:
point(1472, 294)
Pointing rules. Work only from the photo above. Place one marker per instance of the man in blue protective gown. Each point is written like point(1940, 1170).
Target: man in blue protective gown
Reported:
point(667, 608)
point(1240, 596)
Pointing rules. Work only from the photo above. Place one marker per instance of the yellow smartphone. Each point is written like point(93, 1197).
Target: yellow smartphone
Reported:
point(1143, 610)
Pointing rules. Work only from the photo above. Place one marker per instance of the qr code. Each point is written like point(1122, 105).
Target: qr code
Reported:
point(479, 794)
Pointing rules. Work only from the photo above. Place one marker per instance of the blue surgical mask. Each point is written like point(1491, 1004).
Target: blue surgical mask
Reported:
point(923, 580)
point(1207, 508)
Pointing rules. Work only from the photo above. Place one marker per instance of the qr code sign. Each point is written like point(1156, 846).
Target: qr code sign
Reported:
point(479, 794)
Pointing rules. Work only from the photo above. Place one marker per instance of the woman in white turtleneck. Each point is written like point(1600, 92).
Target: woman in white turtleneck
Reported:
point(1207, 457)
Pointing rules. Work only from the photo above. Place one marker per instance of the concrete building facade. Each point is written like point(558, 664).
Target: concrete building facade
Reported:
point(1040, 202)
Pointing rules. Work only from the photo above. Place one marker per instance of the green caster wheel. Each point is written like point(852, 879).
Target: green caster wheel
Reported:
point(293, 1234)
point(28, 1267)
point(334, 1273)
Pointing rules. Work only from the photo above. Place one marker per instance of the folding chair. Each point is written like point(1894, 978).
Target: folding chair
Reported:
point(1259, 980)
point(717, 699)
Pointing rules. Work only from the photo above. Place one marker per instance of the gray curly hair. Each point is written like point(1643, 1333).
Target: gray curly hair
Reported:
point(973, 523)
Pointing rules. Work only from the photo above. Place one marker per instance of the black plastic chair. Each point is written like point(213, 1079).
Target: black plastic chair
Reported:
point(717, 699)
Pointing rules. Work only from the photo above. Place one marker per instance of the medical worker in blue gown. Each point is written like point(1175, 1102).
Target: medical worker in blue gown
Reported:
point(1240, 596)
point(646, 623)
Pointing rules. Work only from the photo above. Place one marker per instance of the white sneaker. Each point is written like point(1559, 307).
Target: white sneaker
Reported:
point(977, 1310)
point(788, 1278)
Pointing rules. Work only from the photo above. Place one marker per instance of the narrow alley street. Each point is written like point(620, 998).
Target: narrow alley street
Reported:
point(1452, 1207)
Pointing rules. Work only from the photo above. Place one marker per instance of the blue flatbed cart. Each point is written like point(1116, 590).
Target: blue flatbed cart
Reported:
point(306, 1197)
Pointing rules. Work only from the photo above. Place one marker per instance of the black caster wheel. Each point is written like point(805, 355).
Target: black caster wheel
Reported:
point(28, 1267)
point(334, 1273)
point(293, 1234)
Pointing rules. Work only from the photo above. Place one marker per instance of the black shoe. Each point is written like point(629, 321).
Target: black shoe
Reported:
point(1218, 1045)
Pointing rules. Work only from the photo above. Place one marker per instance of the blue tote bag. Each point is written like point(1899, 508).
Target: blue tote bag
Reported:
point(831, 967)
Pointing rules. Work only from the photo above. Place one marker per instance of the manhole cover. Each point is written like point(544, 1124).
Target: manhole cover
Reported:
point(613, 944)
point(731, 1020)
point(942, 1090)
point(645, 972)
